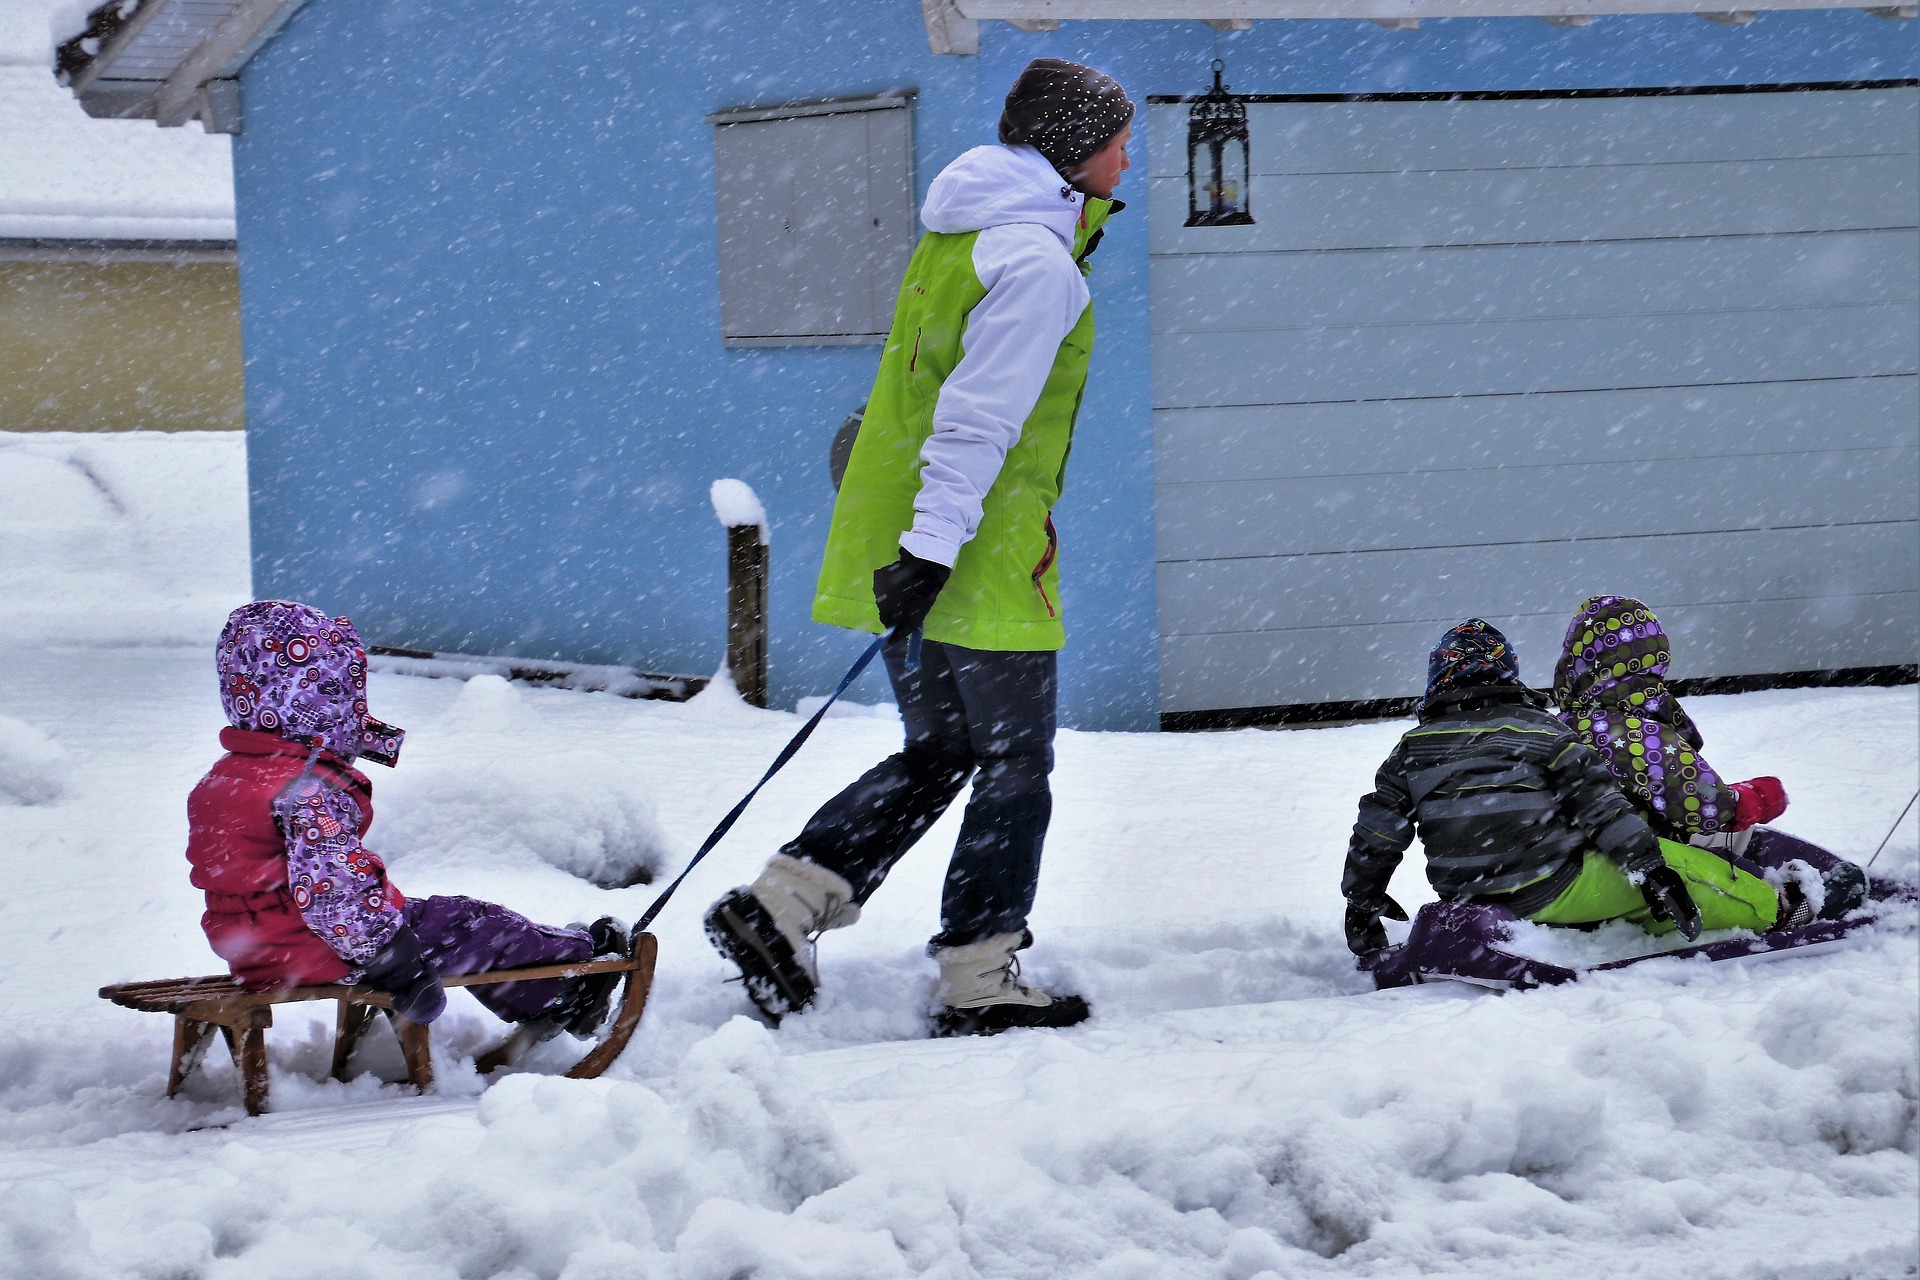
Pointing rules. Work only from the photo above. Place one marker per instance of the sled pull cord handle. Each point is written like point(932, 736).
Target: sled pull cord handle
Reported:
point(779, 762)
point(1895, 827)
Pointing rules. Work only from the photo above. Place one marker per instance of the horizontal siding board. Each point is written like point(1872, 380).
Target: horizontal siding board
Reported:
point(1444, 584)
point(1512, 356)
point(1666, 346)
point(1228, 291)
point(1353, 663)
point(1388, 137)
point(1532, 504)
point(1374, 437)
point(1538, 206)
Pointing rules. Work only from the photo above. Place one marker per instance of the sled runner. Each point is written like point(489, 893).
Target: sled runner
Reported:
point(1471, 942)
point(242, 1015)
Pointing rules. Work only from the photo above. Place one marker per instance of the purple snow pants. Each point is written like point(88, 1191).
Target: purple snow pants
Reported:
point(466, 935)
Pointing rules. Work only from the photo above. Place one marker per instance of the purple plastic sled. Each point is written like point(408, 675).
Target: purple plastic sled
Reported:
point(1460, 941)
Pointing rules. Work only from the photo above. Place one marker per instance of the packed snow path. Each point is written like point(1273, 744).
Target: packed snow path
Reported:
point(1242, 1105)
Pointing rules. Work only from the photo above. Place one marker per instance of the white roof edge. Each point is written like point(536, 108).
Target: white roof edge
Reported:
point(56, 226)
point(953, 26)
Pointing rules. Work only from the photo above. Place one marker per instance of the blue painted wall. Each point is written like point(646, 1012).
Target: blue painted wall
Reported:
point(486, 392)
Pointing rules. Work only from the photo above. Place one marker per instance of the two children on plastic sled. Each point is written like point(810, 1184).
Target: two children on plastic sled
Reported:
point(1605, 811)
point(274, 831)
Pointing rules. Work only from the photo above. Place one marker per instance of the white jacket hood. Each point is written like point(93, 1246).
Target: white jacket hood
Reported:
point(998, 185)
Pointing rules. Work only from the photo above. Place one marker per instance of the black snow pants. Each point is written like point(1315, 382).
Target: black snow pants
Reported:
point(964, 710)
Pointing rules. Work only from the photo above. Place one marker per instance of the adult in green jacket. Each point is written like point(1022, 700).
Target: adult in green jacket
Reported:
point(944, 530)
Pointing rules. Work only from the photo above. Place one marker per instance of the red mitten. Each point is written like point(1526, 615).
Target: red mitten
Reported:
point(1759, 800)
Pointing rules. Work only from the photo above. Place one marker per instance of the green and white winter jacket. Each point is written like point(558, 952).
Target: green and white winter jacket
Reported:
point(964, 446)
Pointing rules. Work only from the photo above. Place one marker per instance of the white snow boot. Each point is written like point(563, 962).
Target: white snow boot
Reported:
point(981, 993)
point(768, 929)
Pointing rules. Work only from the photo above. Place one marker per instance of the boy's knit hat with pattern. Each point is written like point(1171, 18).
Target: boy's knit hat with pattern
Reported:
point(1471, 655)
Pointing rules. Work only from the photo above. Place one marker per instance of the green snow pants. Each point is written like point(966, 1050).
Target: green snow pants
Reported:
point(1728, 897)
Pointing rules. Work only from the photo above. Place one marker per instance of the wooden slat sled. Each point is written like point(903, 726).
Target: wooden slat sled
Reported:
point(242, 1015)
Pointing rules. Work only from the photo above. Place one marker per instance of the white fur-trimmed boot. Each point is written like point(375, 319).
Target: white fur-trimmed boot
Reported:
point(768, 929)
point(981, 993)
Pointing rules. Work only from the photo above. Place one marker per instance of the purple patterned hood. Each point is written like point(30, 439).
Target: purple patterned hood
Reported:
point(1610, 685)
point(1614, 647)
point(289, 670)
point(1616, 656)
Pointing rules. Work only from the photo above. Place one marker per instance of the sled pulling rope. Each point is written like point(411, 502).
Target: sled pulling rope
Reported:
point(779, 762)
point(644, 946)
point(1895, 827)
point(633, 1001)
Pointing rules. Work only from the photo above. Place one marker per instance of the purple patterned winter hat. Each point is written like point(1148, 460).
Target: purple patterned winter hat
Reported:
point(288, 669)
point(1610, 685)
point(1614, 641)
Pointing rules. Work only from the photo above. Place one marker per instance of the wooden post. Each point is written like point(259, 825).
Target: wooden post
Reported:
point(747, 612)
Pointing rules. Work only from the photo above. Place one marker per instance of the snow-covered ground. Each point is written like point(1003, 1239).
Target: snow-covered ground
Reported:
point(1241, 1106)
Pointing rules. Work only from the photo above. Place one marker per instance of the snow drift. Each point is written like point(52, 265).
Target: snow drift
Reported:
point(33, 767)
point(490, 786)
point(107, 539)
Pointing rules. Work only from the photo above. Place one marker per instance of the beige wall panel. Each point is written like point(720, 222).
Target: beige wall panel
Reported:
point(123, 346)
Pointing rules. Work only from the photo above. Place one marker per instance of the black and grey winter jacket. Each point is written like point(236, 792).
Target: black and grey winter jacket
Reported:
point(1506, 799)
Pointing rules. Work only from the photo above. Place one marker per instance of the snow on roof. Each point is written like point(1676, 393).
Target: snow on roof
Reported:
point(65, 175)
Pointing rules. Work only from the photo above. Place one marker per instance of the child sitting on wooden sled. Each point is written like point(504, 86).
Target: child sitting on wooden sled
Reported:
point(1515, 810)
point(274, 829)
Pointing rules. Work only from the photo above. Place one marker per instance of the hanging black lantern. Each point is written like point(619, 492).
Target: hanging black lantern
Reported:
point(1217, 158)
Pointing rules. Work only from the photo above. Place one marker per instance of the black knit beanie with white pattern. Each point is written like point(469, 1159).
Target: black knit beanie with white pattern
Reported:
point(1064, 111)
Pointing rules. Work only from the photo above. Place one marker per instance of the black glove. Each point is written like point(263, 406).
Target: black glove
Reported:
point(1668, 899)
point(402, 972)
point(1365, 933)
point(905, 591)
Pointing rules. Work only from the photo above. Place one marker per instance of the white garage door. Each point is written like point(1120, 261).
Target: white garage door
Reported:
point(1493, 356)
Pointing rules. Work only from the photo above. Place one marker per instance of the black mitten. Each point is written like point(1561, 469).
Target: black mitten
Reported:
point(905, 590)
point(402, 972)
point(1668, 899)
point(1365, 933)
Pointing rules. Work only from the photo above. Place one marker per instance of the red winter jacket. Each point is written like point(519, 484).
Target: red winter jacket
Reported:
point(239, 857)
